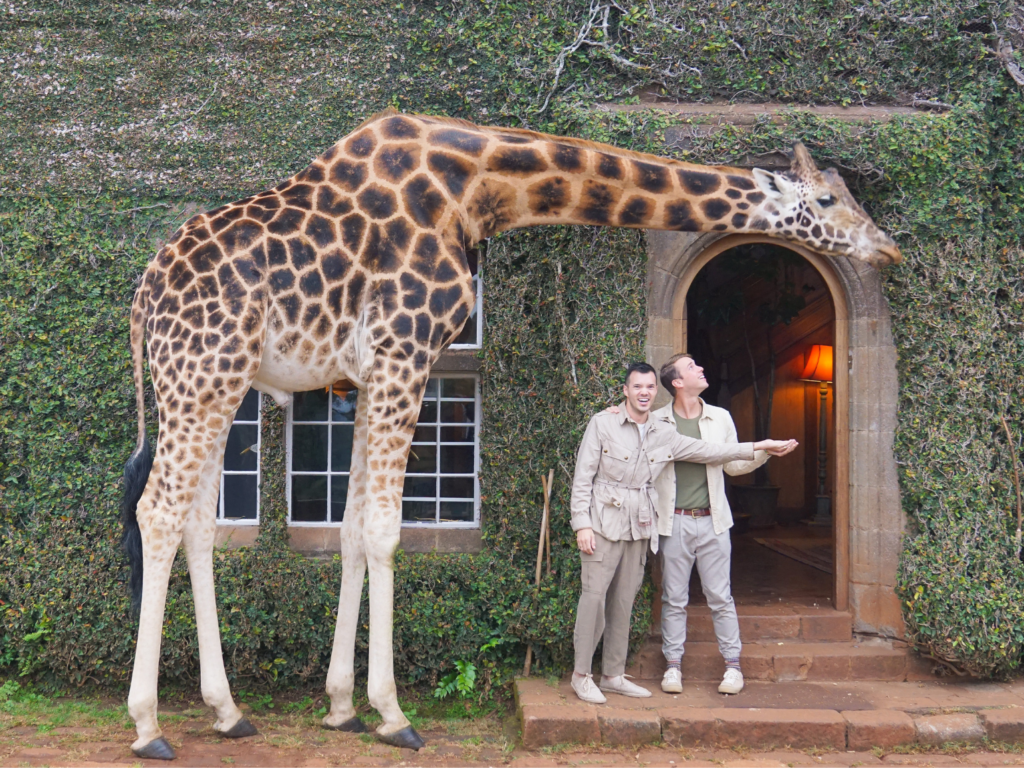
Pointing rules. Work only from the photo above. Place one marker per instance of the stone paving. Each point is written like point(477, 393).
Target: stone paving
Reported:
point(834, 716)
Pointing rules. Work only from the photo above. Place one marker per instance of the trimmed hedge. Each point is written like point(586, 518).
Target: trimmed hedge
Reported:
point(122, 119)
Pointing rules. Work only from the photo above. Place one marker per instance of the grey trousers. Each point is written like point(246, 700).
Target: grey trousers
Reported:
point(693, 539)
point(611, 578)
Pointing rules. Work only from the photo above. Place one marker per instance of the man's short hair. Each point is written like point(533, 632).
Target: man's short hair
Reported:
point(669, 374)
point(638, 368)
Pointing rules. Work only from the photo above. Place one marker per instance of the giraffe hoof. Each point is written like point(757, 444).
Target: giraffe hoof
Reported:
point(158, 749)
point(407, 738)
point(240, 730)
point(353, 725)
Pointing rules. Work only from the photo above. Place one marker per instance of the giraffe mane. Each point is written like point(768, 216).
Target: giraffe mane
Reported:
point(536, 135)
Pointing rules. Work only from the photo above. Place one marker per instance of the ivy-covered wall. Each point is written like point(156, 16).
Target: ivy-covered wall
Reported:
point(120, 119)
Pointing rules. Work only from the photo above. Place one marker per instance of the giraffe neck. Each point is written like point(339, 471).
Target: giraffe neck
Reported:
point(524, 179)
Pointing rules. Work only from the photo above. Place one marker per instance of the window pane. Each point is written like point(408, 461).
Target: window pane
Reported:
point(457, 511)
point(419, 511)
point(428, 412)
point(339, 492)
point(309, 448)
point(457, 434)
point(458, 388)
point(460, 413)
point(457, 487)
point(240, 454)
point(431, 390)
point(422, 458)
point(420, 486)
point(424, 435)
point(343, 409)
point(310, 406)
point(249, 410)
point(309, 498)
point(457, 459)
point(240, 497)
point(341, 448)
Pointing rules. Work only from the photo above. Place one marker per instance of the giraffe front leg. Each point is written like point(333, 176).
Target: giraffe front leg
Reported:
point(393, 408)
point(341, 676)
point(199, 536)
point(159, 547)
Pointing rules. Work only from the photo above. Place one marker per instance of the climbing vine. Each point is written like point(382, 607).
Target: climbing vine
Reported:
point(120, 120)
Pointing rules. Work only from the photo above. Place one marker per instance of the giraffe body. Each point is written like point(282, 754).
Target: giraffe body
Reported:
point(356, 269)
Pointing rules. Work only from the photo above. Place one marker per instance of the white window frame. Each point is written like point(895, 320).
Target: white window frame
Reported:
point(478, 289)
point(447, 524)
point(221, 520)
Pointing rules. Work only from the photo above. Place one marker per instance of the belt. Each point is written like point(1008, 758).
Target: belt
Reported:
point(693, 512)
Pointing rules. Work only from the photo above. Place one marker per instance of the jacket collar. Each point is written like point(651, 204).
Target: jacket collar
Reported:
point(665, 412)
point(623, 415)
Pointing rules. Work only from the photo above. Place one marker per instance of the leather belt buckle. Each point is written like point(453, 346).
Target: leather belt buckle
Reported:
point(693, 512)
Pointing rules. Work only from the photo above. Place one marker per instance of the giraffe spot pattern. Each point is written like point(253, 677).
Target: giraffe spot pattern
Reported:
point(597, 201)
point(379, 202)
point(396, 162)
point(453, 171)
point(423, 201)
point(699, 182)
point(516, 161)
point(462, 141)
point(548, 197)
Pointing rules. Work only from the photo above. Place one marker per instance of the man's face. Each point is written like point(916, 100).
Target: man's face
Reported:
point(640, 390)
point(689, 377)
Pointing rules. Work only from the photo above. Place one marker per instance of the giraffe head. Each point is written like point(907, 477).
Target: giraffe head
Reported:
point(816, 209)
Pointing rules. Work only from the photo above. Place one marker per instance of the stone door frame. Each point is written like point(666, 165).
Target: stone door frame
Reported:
point(867, 514)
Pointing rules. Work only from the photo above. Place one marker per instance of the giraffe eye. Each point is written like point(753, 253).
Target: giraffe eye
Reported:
point(826, 201)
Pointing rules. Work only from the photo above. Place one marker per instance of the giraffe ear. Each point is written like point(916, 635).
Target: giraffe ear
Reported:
point(774, 185)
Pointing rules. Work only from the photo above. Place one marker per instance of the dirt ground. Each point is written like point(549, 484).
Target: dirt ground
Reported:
point(37, 731)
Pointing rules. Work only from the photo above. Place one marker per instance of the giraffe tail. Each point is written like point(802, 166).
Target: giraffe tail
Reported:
point(136, 471)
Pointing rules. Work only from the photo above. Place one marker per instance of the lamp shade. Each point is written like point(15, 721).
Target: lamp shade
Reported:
point(819, 364)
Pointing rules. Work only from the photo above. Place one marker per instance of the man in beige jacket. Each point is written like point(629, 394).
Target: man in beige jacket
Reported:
point(614, 505)
point(694, 521)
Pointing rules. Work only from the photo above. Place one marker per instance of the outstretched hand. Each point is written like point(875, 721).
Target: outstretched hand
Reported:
point(776, 447)
point(612, 409)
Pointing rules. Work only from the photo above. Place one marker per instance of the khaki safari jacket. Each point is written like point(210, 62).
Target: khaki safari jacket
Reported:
point(613, 490)
point(716, 426)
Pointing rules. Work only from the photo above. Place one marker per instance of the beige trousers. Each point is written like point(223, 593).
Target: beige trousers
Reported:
point(611, 578)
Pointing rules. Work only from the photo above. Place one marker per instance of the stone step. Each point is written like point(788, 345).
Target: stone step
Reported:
point(809, 624)
point(859, 717)
point(781, 661)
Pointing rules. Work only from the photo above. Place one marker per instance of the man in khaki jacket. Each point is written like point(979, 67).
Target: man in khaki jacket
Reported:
point(614, 503)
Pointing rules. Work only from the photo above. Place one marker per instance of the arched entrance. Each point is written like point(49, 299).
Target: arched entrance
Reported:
point(868, 520)
point(755, 314)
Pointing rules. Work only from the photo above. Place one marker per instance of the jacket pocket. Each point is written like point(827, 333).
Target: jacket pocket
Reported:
point(614, 461)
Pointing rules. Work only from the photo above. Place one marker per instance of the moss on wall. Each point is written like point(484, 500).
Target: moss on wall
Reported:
point(120, 119)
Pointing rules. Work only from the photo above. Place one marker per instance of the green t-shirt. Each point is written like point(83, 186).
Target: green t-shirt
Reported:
point(691, 479)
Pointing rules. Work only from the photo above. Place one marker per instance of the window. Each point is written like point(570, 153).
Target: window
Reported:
point(472, 332)
point(239, 483)
point(441, 485)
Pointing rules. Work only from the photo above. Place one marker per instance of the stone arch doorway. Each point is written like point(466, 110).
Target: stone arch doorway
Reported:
point(868, 520)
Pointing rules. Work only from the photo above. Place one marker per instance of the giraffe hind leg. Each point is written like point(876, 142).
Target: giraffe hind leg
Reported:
point(162, 513)
point(198, 539)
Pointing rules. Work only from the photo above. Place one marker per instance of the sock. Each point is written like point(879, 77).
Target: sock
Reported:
point(677, 663)
point(732, 664)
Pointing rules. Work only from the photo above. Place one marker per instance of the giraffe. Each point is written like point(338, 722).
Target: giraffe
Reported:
point(355, 269)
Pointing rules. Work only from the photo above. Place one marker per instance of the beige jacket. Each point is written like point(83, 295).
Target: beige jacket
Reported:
point(716, 426)
point(614, 491)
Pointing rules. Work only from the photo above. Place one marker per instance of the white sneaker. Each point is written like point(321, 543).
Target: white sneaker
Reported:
point(672, 682)
point(586, 690)
point(732, 682)
point(623, 686)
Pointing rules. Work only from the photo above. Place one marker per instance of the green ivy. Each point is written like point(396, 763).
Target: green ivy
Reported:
point(121, 119)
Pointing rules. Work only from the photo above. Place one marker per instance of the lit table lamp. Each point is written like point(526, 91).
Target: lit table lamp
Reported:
point(819, 369)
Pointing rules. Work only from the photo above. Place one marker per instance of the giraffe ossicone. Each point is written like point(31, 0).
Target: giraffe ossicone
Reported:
point(355, 269)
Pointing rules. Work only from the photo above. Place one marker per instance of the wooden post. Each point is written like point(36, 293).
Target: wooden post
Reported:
point(545, 537)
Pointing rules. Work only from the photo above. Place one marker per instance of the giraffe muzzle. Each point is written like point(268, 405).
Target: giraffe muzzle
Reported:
point(886, 256)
